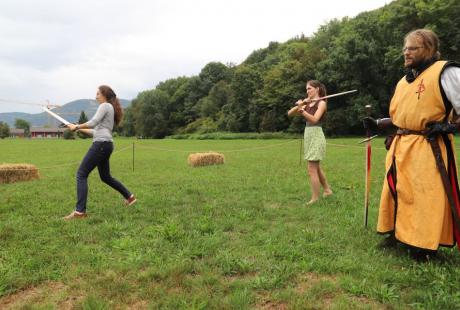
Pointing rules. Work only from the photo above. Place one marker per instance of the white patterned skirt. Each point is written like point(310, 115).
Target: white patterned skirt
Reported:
point(314, 143)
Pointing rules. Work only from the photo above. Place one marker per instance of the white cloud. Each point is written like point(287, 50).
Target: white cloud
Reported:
point(62, 50)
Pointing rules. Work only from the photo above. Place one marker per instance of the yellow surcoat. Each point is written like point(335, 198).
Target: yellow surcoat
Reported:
point(418, 212)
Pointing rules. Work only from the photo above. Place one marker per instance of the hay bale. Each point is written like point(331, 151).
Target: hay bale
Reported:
point(205, 159)
point(10, 173)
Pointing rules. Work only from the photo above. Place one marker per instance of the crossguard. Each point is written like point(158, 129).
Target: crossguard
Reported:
point(368, 139)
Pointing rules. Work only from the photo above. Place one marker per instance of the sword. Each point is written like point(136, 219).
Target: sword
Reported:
point(334, 95)
point(55, 116)
point(368, 168)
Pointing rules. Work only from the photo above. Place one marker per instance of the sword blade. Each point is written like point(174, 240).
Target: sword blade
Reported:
point(55, 116)
point(335, 95)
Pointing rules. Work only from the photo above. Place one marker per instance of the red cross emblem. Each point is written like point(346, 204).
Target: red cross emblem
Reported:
point(421, 89)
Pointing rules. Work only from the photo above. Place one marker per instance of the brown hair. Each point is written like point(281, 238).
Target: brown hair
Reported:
point(318, 84)
point(429, 40)
point(111, 97)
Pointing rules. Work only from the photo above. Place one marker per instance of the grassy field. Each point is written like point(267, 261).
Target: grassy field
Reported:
point(235, 236)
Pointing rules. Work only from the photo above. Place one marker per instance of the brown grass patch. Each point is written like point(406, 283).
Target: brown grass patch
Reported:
point(138, 305)
point(205, 159)
point(307, 282)
point(273, 206)
point(310, 279)
point(11, 173)
point(267, 303)
point(44, 293)
point(240, 277)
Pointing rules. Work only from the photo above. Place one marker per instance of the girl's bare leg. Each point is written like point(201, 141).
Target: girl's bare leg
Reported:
point(322, 178)
point(313, 172)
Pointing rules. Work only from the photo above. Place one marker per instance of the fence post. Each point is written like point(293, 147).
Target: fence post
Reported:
point(300, 152)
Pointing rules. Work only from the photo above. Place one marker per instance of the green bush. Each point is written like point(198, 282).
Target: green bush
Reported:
point(69, 134)
point(201, 125)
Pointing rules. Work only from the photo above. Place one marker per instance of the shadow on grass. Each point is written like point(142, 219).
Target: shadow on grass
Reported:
point(417, 255)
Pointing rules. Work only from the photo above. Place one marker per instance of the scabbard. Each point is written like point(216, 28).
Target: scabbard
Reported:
point(444, 177)
point(367, 185)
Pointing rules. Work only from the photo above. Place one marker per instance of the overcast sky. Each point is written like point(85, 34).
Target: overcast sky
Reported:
point(61, 50)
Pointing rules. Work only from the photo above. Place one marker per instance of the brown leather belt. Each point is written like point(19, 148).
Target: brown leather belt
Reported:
point(402, 131)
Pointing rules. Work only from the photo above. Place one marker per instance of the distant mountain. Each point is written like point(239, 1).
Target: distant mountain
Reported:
point(69, 111)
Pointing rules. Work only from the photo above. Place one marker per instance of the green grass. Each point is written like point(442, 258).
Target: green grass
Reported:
point(235, 236)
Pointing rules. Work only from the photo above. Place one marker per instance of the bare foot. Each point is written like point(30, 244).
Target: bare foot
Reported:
point(312, 202)
point(74, 215)
point(327, 193)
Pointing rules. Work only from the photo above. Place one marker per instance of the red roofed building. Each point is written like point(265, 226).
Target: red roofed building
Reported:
point(41, 132)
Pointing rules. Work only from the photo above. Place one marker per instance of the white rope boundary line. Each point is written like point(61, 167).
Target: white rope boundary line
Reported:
point(221, 151)
point(355, 146)
point(254, 148)
point(195, 151)
point(67, 164)
point(167, 150)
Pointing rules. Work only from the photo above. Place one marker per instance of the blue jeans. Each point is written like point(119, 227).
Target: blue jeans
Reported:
point(98, 156)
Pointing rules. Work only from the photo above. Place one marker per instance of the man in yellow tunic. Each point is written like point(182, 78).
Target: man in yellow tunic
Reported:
point(414, 206)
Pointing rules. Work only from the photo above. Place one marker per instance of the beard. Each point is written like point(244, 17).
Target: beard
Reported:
point(416, 63)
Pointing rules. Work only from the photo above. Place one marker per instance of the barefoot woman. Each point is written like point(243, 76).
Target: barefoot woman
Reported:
point(313, 111)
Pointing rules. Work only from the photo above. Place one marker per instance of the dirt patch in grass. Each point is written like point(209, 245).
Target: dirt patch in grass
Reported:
point(369, 302)
point(273, 206)
point(54, 292)
point(70, 302)
point(138, 305)
point(271, 305)
point(310, 279)
point(266, 301)
point(242, 277)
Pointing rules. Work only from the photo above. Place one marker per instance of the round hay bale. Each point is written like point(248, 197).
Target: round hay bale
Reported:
point(205, 159)
point(11, 173)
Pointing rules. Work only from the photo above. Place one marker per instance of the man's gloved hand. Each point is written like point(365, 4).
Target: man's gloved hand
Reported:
point(370, 123)
point(436, 128)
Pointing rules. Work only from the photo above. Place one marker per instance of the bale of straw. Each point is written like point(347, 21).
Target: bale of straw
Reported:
point(205, 159)
point(10, 173)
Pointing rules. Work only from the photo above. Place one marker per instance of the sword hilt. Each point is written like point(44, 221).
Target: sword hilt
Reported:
point(368, 109)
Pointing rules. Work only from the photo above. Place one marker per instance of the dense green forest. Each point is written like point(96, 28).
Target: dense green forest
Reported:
point(362, 53)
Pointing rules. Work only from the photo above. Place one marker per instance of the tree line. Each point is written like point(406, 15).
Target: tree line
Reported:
point(362, 53)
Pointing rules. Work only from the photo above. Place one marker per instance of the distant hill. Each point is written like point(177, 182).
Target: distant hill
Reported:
point(70, 111)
